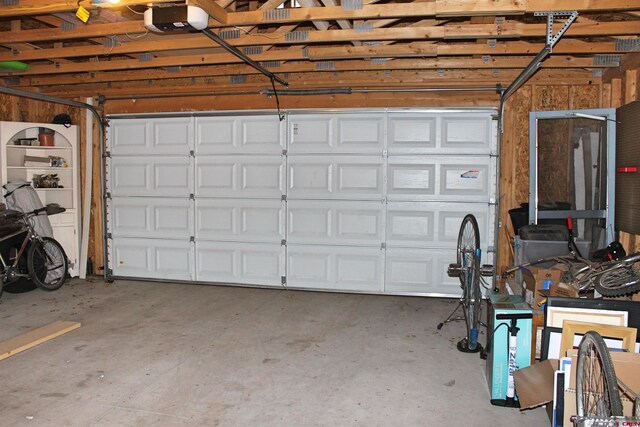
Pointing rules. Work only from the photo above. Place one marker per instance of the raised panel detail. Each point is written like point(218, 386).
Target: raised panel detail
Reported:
point(152, 258)
point(171, 135)
point(336, 177)
point(234, 262)
point(240, 176)
point(420, 271)
point(411, 133)
point(335, 267)
point(240, 220)
point(337, 133)
point(150, 176)
point(150, 217)
point(464, 133)
point(452, 178)
point(239, 135)
point(335, 222)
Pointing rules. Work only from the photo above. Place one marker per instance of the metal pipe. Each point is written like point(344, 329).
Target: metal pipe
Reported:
point(442, 89)
point(182, 95)
point(302, 92)
point(94, 111)
point(527, 72)
point(327, 91)
point(235, 51)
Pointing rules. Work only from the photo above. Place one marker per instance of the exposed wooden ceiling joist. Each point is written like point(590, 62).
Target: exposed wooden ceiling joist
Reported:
point(491, 39)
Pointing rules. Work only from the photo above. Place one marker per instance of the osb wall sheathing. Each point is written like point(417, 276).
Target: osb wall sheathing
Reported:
point(514, 166)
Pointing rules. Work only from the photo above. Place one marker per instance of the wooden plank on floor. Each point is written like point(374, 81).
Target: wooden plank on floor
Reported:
point(37, 336)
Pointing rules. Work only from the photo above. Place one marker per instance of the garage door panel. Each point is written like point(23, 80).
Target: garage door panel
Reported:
point(410, 224)
point(335, 267)
point(149, 176)
point(412, 134)
point(150, 217)
point(240, 176)
point(450, 217)
point(337, 222)
point(152, 258)
point(150, 136)
point(439, 178)
point(334, 133)
point(335, 177)
point(420, 271)
point(467, 133)
point(233, 262)
point(432, 224)
point(239, 135)
point(240, 220)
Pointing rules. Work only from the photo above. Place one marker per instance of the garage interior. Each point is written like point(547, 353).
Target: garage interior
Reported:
point(319, 130)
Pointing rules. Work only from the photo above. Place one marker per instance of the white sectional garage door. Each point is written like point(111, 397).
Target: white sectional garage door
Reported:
point(349, 200)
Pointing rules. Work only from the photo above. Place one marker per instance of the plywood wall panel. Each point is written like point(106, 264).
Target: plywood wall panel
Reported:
point(583, 97)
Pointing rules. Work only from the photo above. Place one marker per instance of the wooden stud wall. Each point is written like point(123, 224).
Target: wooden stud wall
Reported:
point(514, 165)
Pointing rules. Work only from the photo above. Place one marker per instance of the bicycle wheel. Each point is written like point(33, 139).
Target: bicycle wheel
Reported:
point(596, 383)
point(48, 264)
point(468, 258)
point(621, 279)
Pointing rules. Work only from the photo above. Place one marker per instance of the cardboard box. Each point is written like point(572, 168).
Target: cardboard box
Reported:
point(561, 289)
point(537, 279)
point(497, 371)
point(535, 384)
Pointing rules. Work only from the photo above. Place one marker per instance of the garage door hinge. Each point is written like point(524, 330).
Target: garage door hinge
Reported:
point(383, 245)
point(493, 154)
point(109, 236)
point(492, 202)
point(283, 198)
point(284, 152)
point(192, 153)
point(192, 239)
point(107, 153)
point(192, 196)
point(283, 280)
point(283, 242)
point(107, 195)
point(491, 249)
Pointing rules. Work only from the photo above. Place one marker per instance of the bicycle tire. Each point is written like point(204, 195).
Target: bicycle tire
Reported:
point(596, 382)
point(467, 256)
point(48, 264)
point(621, 279)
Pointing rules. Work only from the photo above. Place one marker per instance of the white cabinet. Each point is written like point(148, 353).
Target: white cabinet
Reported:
point(23, 162)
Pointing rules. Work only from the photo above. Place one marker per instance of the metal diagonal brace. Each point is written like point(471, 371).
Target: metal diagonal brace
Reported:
point(552, 39)
point(531, 69)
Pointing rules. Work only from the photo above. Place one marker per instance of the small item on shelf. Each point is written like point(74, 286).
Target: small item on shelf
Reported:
point(25, 141)
point(45, 180)
point(46, 137)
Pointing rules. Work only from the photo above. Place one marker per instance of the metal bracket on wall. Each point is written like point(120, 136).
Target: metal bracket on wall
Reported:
point(552, 39)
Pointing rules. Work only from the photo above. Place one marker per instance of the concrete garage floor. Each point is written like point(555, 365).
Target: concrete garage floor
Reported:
point(161, 354)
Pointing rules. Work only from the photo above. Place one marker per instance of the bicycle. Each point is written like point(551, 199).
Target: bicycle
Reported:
point(597, 386)
point(469, 270)
point(46, 263)
point(610, 278)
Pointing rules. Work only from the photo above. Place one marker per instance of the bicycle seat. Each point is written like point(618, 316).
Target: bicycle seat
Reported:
point(54, 208)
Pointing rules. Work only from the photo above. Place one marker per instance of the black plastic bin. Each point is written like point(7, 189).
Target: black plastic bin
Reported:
point(520, 216)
